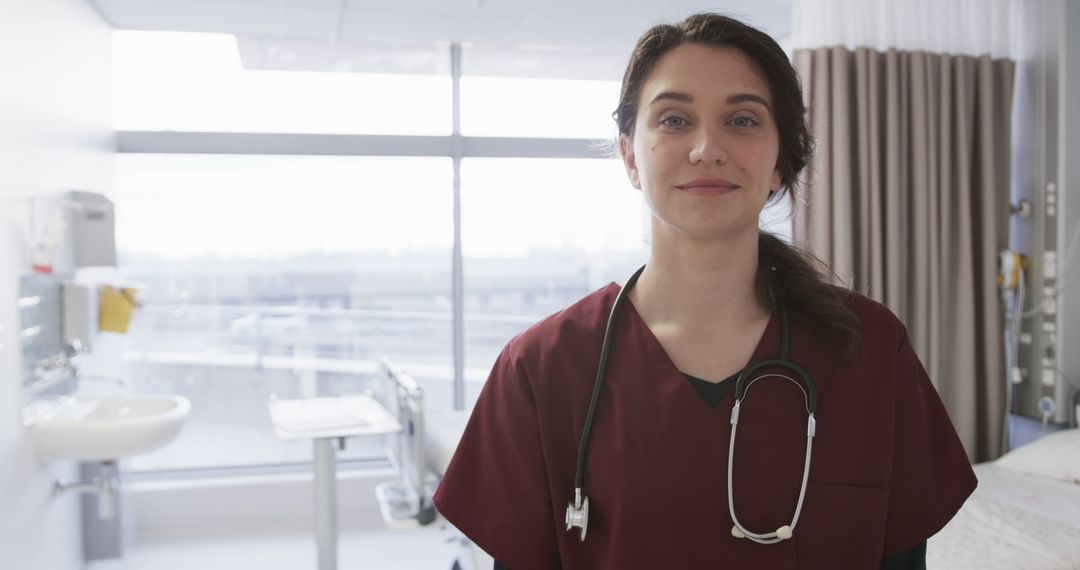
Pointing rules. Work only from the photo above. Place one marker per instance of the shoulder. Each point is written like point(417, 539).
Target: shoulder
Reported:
point(581, 323)
point(879, 327)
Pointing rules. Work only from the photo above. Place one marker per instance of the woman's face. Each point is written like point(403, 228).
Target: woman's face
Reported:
point(705, 145)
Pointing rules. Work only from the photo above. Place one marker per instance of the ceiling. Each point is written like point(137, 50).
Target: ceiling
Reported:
point(584, 23)
point(570, 38)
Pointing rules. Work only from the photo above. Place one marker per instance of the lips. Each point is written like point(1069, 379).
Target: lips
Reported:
point(708, 187)
point(709, 183)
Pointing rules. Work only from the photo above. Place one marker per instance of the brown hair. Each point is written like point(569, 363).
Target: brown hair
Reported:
point(784, 272)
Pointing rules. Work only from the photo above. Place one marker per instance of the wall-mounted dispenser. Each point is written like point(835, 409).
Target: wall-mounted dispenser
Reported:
point(72, 230)
point(93, 230)
point(79, 315)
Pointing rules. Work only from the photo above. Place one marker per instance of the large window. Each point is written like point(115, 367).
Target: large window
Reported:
point(281, 276)
point(538, 235)
point(547, 108)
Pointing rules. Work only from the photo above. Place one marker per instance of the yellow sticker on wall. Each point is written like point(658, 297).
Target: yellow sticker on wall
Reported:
point(114, 309)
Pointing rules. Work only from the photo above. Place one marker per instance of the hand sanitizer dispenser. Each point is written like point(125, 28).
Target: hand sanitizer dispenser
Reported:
point(93, 230)
point(79, 315)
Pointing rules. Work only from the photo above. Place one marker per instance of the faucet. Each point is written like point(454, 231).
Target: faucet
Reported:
point(73, 348)
point(50, 365)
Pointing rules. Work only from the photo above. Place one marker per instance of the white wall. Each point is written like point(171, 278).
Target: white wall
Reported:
point(55, 135)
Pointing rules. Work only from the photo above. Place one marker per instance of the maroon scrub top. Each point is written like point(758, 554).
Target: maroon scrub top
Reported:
point(887, 470)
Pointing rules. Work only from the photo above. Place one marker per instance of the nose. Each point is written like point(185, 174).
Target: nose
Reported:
point(709, 147)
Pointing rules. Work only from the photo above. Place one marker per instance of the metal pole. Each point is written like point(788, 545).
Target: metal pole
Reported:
point(458, 288)
point(325, 503)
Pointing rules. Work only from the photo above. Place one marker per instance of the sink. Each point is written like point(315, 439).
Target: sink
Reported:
point(103, 428)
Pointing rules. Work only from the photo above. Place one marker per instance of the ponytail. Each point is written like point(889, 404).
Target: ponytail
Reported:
point(789, 274)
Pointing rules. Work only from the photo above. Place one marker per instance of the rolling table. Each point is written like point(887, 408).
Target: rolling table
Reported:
point(324, 420)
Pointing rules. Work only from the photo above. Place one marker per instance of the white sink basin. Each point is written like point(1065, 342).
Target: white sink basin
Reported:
point(102, 428)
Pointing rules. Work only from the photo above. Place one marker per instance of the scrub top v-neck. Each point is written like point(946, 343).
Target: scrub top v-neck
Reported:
point(664, 371)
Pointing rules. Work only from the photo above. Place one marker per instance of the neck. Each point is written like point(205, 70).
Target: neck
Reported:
point(700, 286)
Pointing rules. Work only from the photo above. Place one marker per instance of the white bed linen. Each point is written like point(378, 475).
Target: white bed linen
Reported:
point(1012, 521)
point(443, 430)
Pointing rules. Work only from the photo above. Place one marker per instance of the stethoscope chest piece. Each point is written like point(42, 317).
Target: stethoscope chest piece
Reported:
point(577, 514)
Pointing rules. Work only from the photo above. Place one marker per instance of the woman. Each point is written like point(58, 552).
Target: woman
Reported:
point(711, 126)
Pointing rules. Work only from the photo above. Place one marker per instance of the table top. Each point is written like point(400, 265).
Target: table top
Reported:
point(343, 416)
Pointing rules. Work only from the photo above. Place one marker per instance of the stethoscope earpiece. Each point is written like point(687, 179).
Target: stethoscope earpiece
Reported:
point(782, 533)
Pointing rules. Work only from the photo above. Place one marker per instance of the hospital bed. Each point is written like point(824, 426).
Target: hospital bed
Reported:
point(1025, 513)
point(406, 503)
point(428, 441)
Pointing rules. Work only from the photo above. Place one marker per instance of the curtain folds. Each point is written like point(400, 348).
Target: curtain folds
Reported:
point(908, 202)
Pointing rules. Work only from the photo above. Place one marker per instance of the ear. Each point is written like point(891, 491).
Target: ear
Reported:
point(626, 151)
point(775, 186)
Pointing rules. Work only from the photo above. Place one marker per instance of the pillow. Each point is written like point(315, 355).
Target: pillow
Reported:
point(1055, 455)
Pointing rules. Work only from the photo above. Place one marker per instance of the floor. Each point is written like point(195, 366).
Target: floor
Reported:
point(424, 549)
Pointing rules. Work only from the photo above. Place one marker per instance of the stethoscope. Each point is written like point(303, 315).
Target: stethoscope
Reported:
point(577, 512)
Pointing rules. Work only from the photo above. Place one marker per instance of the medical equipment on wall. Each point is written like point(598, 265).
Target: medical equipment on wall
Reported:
point(577, 512)
point(71, 230)
point(1010, 278)
point(1044, 224)
point(1034, 380)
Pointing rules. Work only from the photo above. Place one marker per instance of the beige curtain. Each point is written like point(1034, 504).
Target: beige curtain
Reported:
point(907, 199)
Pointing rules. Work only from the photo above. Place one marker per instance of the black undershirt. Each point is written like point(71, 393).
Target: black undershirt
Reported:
point(713, 393)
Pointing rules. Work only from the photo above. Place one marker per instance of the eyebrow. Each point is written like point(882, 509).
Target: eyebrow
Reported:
point(748, 97)
point(732, 99)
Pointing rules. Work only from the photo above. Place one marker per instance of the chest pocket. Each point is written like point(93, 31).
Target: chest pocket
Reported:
point(841, 526)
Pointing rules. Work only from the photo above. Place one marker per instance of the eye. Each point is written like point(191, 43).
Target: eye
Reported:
point(744, 122)
point(674, 122)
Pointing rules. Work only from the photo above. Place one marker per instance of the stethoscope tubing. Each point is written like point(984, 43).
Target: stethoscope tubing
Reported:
point(583, 445)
